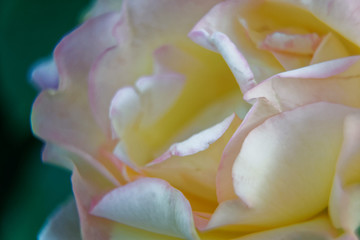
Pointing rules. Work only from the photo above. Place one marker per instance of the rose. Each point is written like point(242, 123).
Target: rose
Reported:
point(114, 53)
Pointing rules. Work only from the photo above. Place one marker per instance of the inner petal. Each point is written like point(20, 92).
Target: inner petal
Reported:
point(207, 79)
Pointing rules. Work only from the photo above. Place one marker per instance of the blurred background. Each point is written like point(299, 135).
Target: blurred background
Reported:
point(31, 190)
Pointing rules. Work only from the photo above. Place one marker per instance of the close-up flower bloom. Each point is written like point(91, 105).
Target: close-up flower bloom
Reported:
point(206, 119)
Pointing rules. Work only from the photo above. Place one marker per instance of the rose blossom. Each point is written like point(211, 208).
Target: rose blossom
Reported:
point(156, 126)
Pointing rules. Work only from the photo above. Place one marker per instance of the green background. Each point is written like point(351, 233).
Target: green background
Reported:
point(29, 30)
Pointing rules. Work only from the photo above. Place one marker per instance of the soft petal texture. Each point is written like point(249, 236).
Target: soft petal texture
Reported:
point(307, 139)
point(124, 110)
point(249, 23)
point(322, 53)
point(235, 60)
point(121, 231)
point(159, 92)
point(195, 161)
point(64, 224)
point(64, 117)
point(334, 81)
point(317, 229)
point(88, 185)
point(342, 16)
point(156, 130)
point(261, 63)
point(150, 204)
point(292, 43)
point(344, 206)
point(140, 31)
point(260, 111)
point(45, 75)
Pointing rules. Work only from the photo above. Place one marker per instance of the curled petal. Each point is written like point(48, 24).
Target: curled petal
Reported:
point(235, 60)
point(334, 81)
point(150, 204)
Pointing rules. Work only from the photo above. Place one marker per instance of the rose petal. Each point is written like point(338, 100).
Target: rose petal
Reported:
point(214, 22)
point(340, 15)
point(195, 160)
point(140, 31)
point(124, 110)
point(150, 204)
point(88, 184)
point(121, 231)
point(64, 117)
point(319, 228)
point(156, 129)
point(64, 224)
point(158, 93)
point(76, 52)
point(334, 81)
point(57, 155)
point(322, 53)
point(321, 125)
point(307, 139)
point(305, 44)
point(291, 61)
point(344, 204)
point(235, 60)
point(45, 75)
point(260, 111)
point(100, 7)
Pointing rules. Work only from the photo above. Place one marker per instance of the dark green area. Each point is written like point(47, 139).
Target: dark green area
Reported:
point(29, 30)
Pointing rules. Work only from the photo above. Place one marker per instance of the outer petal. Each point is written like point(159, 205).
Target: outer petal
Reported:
point(87, 186)
point(344, 207)
point(150, 204)
point(319, 228)
point(64, 224)
point(45, 75)
point(64, 117)
point(307, 139)
point(334, 81)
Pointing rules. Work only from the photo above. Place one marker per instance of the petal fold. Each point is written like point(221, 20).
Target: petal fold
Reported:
point(150, 204)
